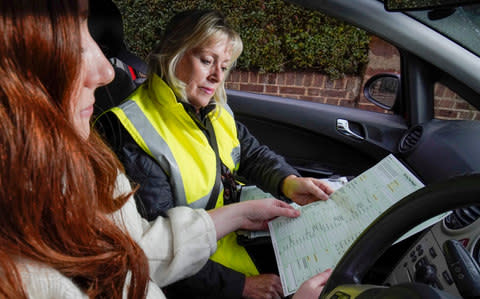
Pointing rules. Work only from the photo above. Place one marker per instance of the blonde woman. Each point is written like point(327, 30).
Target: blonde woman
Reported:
point(179, 140)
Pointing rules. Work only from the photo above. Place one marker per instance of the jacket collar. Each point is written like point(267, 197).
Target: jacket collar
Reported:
point(202, 113)
point(164, 95)
point(161, 92)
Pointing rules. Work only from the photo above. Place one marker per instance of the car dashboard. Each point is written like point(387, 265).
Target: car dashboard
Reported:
point(435, 151)
point(441, 149)
point(429, 261)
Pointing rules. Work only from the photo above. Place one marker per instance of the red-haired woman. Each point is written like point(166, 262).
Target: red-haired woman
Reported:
point(69, 226)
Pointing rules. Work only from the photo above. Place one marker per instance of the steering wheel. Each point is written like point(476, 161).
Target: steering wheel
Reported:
point(417, 207)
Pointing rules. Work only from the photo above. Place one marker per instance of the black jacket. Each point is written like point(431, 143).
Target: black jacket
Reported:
point(258, 165)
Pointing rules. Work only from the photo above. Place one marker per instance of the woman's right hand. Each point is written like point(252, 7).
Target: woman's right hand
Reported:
point(257, 213)
point(250, 215)
point(314, 286)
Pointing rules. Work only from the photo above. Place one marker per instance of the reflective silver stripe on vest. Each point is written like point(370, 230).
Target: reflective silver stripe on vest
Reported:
point(228, 109)
point(161, 152)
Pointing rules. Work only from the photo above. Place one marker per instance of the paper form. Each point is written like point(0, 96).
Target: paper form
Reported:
point(253, 192)
point(316, 240)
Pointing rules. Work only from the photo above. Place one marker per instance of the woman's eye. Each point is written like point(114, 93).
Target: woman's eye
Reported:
point(224, 69)
point(206, 61)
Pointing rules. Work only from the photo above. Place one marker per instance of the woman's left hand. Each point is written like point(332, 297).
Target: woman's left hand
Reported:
point(305, 190)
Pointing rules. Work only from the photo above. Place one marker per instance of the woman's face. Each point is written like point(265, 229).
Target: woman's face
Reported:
point(203, 70)
point(95, 71)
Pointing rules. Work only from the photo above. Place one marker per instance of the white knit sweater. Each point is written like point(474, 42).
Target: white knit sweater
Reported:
point(176, 247)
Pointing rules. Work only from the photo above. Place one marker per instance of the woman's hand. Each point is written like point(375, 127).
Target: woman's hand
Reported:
point(262, 286)
point(305, 190)
point(250, 215)
point(313, 287)
point(258, 212)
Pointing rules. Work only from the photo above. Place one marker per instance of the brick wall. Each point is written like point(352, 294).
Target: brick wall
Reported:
point(313, 87)
point(347, 91)
point(449, 105)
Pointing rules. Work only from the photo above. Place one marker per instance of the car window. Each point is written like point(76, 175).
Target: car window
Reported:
point(463, 26)
point(346, 91)
point(449, 105)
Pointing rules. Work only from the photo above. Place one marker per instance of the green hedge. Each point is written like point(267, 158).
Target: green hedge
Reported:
point(277, 36)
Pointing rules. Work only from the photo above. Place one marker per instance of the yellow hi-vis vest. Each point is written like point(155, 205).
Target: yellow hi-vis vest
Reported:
point(164, 130)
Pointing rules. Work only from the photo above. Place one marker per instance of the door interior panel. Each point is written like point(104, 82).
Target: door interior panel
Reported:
point(305, 133)
point(311, 153)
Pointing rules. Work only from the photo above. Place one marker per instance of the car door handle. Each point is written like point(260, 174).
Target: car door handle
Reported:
point(344, 128)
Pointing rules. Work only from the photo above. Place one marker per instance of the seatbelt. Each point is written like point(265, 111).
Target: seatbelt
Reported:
point(212, 140)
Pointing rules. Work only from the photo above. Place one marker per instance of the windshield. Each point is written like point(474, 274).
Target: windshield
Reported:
point(463, 26)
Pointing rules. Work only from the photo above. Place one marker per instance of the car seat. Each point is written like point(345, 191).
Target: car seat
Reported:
point(106, 27)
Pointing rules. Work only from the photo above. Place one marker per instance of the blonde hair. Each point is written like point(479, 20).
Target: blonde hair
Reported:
point(186, 31)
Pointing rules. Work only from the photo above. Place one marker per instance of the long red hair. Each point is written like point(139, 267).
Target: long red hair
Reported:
point(56, 189)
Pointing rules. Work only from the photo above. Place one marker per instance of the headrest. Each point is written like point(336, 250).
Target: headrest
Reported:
point(106, 26)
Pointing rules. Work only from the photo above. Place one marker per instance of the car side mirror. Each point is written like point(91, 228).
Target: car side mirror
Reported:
point(383, 90)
